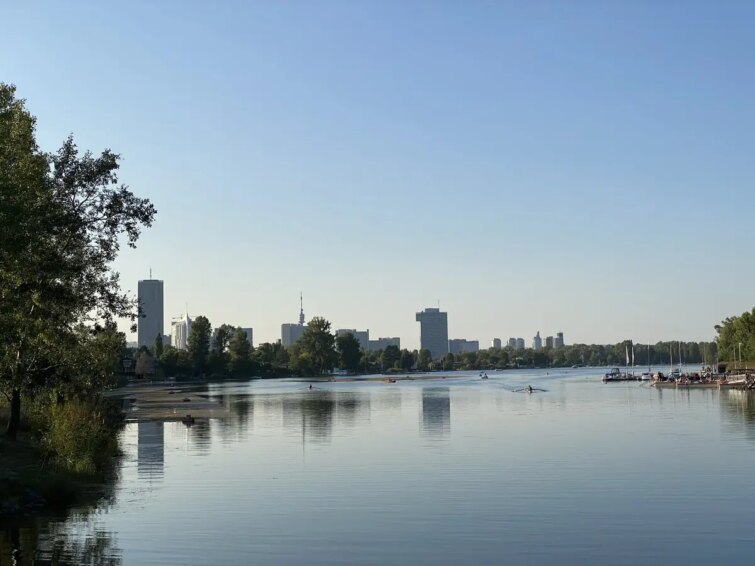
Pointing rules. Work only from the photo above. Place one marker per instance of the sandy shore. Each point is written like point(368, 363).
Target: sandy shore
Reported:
point(166, 402)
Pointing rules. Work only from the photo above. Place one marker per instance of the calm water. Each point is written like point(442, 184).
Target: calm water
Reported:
point(437, 472)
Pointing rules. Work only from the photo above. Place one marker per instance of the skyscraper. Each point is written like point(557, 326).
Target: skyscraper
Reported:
point(520, 343)
point(559, 342)
point(497, 343)
point(548, 342)
point(537, 342)
point(180, 332)
point(290, 333)
point(150, 324)
point(433, 332)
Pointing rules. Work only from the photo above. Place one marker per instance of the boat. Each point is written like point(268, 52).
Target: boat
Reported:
point(616, 375)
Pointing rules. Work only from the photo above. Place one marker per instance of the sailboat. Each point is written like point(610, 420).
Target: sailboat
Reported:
point(675, 373)
point(647, 375)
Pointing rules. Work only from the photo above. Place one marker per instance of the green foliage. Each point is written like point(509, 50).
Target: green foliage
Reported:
point(240, 363)
point(408, 360)
point(315, 349)
point(736, 337)
point(199, 344)
point(80, 435)
point(390, 357)
point(157, 349)
point(222, 337)
point(424, 360)
point(349, 354)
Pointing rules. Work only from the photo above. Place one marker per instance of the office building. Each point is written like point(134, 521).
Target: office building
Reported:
point(383, 343)
point(496, 343)
point(537, 342)
point(461, 345)
point(559, 342)
point(520, 343)
point(291, 333)
point(549, 342)
point(151, 322)
point(512, 343)
point(180, 329)
point(433, 332)
point(249, 335)
point(362, 336)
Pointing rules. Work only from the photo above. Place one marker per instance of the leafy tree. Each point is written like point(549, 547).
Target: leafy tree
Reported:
point(424, 359)
point(222, 337)
point(199, 344)
point(240, 352)
point(63, 218)
point(732, 332)
point(407, 360)
point(390, 357)
point(157, 350)
point(349, 352)
point(316, 347)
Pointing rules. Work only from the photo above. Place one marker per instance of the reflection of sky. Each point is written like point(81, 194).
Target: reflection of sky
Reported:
point(344, 472)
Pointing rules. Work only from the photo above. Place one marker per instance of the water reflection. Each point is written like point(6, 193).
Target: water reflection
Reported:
point(436, 411)
point(740, 410)
point(150, 449)
point(314, 413)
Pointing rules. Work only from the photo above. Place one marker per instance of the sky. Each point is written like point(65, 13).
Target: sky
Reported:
point(583, 167)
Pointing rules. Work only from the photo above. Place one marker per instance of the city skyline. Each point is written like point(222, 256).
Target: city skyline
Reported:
point(590, 172)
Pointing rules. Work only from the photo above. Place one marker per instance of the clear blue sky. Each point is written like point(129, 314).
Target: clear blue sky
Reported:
point(584, 167)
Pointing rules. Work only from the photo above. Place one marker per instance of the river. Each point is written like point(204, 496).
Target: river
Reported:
point(446, 471)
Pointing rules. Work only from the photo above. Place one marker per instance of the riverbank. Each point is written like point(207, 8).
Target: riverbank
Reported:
point(170, 402)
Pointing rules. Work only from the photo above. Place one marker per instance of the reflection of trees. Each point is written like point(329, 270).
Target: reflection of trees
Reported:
point(436, 411)
point(314, 413)
point(69, 538)
point(739, 410)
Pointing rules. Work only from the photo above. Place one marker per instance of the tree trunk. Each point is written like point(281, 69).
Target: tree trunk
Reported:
point(15, 415)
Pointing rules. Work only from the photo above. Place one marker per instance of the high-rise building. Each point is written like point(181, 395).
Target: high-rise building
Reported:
point(383, 343)
point(461, 345)
point(151, 322)
point(520, 343)
point(537, 342)
point(249, 335)
point(433, 332)
point(180, 332)
point(559, 342)
point(512, 343)
point(362, 336)
point(549, 342)
point(290, 333)
point(497, 343)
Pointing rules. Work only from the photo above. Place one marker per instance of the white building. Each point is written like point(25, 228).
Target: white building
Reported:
point(362, 336)
point(180, 332)
point(433, 332)
point(383, 343)
point(537, 342)
point(461, 345)
point(151, 317)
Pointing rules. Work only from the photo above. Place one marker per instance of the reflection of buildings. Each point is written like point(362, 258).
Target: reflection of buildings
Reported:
point(150, 448)
point(436, 411)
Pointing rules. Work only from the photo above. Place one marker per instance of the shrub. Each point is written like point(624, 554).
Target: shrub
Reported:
point(81, 436)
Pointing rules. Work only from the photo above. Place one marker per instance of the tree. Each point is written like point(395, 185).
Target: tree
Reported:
point(240, 352)
point(63, 217)
point(424, 359)
point(199, 344)
point(145, 363)
point(407, 360)
point(222, 337)
point(390, 357)
point(157, 350)
point(316, 347)
point(349, 352)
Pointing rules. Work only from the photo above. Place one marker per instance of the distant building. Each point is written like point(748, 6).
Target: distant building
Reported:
point(290, 333)
point(180, 332)
point(151, 321)
point(496, 343)
point(433, 332)
point(520, 343)
point(537, 342)
point(249, 335)
point(166, 340)
point(549, 342)
point(559, 342)
point(383, 343)
point(461, 345)
point(362, 336)
point(512, 343)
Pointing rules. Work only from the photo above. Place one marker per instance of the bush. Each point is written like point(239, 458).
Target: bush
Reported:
point(81, 436)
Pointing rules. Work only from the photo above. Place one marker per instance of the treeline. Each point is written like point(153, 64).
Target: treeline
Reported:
point(63, 218)
point(736, 338)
